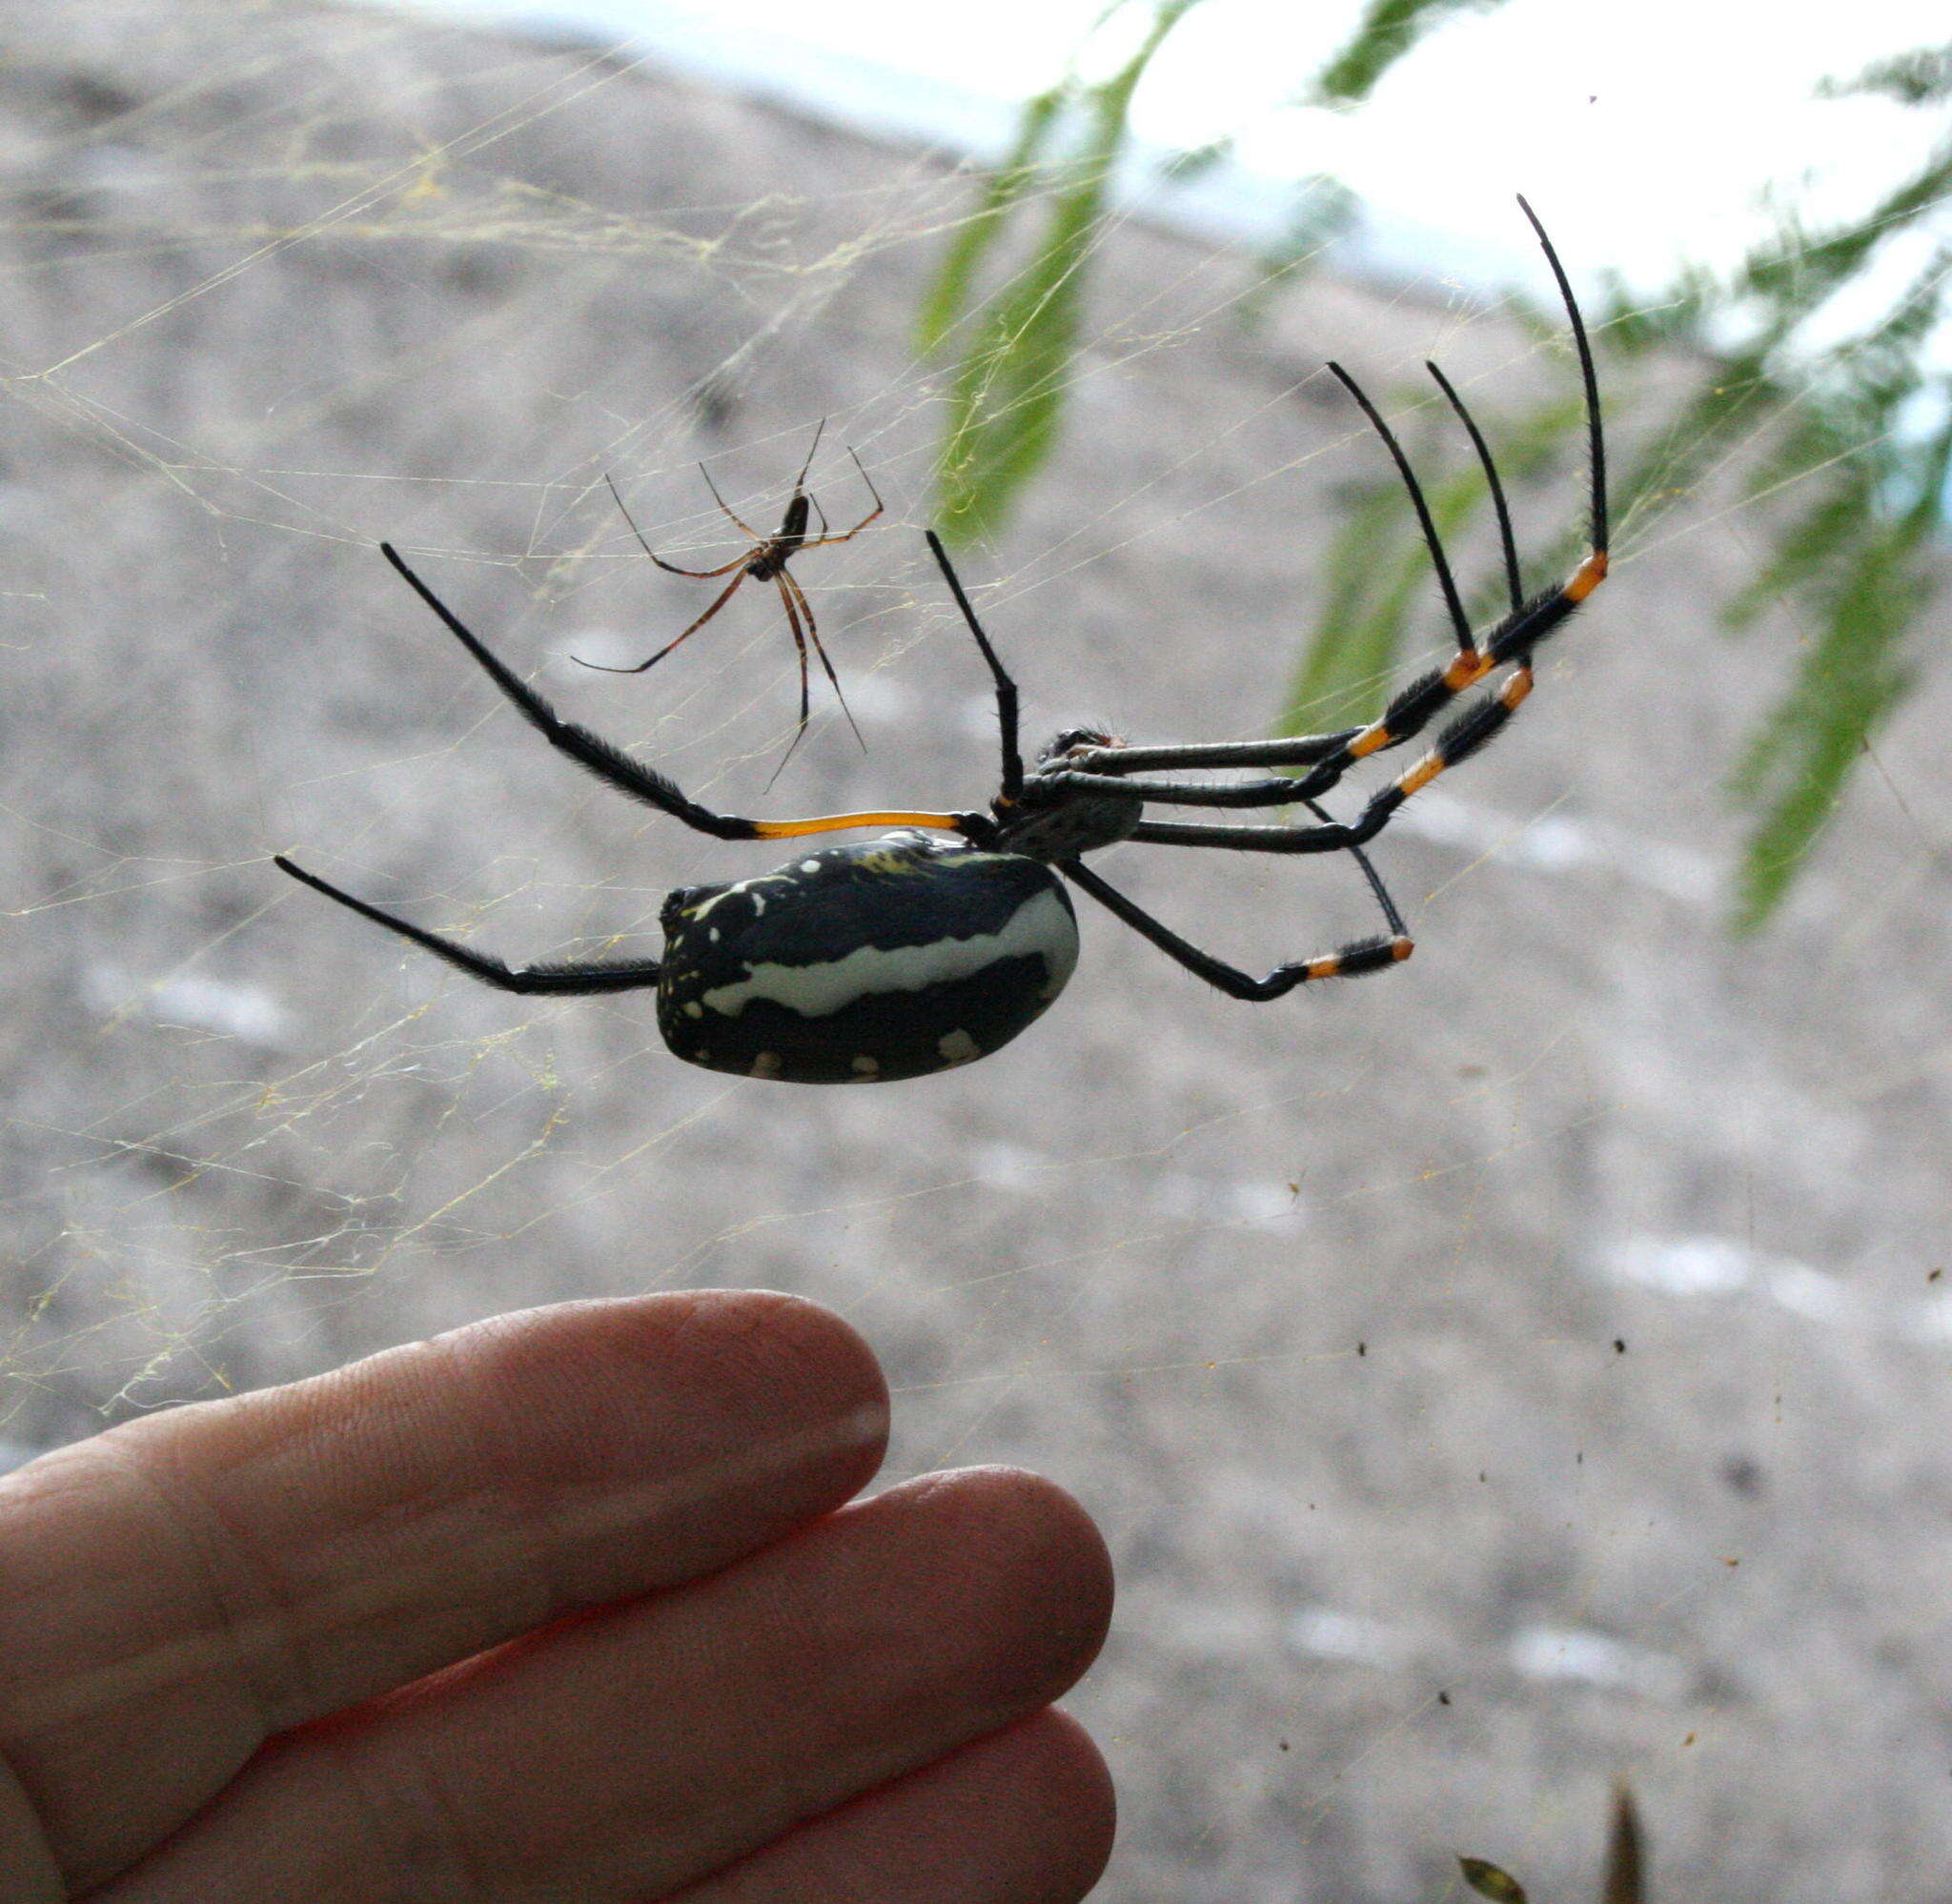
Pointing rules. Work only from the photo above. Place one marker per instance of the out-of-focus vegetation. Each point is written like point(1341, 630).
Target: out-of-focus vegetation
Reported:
point(1622, 1882)
point(1851, 427)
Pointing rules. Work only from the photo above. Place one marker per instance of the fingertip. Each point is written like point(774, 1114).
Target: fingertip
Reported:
point(1023, 1815)
point(1056, 1758)
point(1021, 1542)
point(687, 1369)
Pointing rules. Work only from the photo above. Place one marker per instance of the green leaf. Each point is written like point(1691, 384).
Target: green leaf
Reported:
point(1850, 679)
point(1006, 400)
point(1490, 1880)
point(1387, 31)
point(1916, 78)
point(1196, 162)
point(948, 297)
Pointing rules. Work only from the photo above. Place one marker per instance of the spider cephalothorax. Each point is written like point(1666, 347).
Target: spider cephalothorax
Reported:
point(913, 953)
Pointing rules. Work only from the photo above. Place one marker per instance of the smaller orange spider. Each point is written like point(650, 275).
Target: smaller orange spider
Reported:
point(766, 560)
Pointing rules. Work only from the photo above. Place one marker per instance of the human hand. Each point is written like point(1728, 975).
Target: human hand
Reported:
point(564, 1605)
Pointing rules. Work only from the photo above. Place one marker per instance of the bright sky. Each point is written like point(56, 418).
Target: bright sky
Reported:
point(1663, 120)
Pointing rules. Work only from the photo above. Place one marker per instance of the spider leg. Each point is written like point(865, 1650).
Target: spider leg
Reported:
point(1005, 687)
point(1288, 751)
point(1375, 953)
point(1472, 730)
point(1589, 377)
point(669, 568)
point(1467, 641)
point(570, 978)
point(725, 594)
point(800, 647)
point(614, 767)
point(790, 582)
point(1282, 792)
point(757, 538)
point(1413, 706)
point(823, 538)
point(800, 481)
point(1514, 582)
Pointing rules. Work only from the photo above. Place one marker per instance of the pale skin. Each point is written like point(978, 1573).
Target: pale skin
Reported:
point(576, 1606)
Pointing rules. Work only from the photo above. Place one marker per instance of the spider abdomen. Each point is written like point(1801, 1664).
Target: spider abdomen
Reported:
point(864, 963)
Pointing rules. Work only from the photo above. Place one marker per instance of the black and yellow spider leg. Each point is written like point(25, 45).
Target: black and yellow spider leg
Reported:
point(1292, 750)
point(1412, 707)
point(568, 979)
point(1507, 543)
point(1454, 603)
point(1012, 784)
point(612, 766)
point(1375, 953)
point(1589, 377)
point(1471, 731)
point(1285, 791)
point(1407, 714)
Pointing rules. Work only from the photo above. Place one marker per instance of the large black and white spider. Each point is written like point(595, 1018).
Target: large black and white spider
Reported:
point(912, 954)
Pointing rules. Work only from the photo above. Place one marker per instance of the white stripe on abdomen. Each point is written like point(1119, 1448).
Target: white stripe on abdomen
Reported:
point(1041, 924)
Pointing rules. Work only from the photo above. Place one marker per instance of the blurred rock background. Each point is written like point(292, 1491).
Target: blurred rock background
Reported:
point(1517, 1371)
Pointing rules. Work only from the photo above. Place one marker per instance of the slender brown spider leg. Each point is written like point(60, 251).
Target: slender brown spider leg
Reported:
point(812, 449)
point(805, 704)
point(669, 568)
point(788, 580)
point(780, 581)
point(758, 539)
point(879, 508)
point(725, 594)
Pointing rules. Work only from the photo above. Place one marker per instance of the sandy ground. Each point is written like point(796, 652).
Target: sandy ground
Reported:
point(1497, 1377)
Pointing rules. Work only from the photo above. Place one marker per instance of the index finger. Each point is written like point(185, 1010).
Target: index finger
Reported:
point(178, 1590)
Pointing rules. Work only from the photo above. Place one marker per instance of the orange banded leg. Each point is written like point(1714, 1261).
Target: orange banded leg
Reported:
point(1375, 953)
point(1463, 738)
point(1407, 714)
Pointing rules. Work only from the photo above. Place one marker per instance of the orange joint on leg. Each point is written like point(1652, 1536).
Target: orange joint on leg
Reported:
point(1420, 776)
point(1324, 968)
point(1368, 742)
point(1587, 576)
point(1467, 670)
point(1515, 690)
point(1401, 948)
